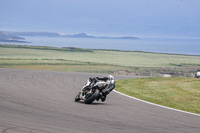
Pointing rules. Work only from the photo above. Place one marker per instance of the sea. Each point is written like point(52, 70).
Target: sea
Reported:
point(188, 46)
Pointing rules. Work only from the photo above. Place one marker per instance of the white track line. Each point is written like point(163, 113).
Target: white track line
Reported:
point(155, 104)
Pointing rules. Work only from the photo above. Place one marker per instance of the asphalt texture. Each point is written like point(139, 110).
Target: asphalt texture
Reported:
point(43, 102)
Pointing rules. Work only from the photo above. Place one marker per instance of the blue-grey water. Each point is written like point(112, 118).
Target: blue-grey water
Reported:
point(158, 45)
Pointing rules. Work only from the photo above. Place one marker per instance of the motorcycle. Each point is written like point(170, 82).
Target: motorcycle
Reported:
point(92, 91)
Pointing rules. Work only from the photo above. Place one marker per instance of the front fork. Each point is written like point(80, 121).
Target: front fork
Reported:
point(84, 92)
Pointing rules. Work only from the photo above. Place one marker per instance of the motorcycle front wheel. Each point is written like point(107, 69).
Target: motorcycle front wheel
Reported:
point(77, 98)
point(91, 97)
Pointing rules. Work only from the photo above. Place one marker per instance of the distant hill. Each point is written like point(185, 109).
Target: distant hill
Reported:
point(5, 37)
point(52, 34)
point(84, 35)
point(80, 35)
point(44, 34)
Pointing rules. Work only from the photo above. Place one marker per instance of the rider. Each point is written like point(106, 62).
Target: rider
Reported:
point(110, 87)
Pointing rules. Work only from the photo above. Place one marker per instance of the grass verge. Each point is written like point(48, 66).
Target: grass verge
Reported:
point(179, 93)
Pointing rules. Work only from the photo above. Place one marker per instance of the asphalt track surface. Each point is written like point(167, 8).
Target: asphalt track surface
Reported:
point(43, 102)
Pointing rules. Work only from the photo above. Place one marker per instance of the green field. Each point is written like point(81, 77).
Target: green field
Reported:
point(102, 61)
point(180, 93)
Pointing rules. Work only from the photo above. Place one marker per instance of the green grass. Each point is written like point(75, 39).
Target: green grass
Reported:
point(106, 61)
point(121, 58)
point(180, 93)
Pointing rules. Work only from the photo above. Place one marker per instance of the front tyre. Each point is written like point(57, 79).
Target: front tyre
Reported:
point(77, 98)
point(89, 99)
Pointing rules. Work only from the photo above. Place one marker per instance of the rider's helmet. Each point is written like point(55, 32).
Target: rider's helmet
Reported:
point(111, 77)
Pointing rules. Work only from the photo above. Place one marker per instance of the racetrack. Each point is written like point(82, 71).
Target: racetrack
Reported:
point(43, 102)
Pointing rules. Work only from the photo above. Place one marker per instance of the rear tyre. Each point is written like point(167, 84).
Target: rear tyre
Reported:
point(89, 99)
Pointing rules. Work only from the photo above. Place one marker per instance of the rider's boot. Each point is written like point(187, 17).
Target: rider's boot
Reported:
point(103, 97)
point(98, 98)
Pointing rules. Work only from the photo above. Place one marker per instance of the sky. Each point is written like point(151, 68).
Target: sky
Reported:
point(179, 18)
